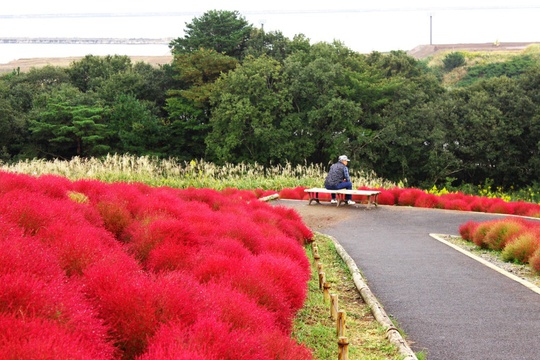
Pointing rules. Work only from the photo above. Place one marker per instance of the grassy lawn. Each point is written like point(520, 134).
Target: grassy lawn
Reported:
point(314, 326)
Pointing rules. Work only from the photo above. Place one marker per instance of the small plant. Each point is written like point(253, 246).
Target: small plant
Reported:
point(77, 197)
point(453, 60)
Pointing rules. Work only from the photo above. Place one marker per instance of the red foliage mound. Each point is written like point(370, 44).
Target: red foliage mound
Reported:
point(517, 239)
point(102, 271)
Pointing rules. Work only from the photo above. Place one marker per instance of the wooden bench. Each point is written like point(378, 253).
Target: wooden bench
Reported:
point(372, 195)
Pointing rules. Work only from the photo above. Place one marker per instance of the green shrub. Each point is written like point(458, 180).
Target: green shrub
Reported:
point(521, 248)
point(453, 60)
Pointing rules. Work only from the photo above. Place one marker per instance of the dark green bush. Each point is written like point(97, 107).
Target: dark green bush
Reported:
point(453, 60)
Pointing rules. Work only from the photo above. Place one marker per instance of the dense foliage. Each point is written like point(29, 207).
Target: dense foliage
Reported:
point(90, 270)
point(235, 93)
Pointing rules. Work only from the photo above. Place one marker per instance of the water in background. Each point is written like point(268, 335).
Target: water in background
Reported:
point(10, 52)
point(360, 31)
point(145, 27)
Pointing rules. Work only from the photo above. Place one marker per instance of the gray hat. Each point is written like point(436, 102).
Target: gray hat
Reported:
point(343, 158)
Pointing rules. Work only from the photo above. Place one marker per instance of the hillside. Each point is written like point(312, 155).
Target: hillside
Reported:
point(424, 51)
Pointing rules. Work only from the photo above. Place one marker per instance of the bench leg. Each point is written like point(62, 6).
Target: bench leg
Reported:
point(313, 197)
point(373, 201)
point(340, 199)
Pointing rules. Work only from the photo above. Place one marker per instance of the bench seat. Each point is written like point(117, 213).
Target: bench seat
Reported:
point(372, 195)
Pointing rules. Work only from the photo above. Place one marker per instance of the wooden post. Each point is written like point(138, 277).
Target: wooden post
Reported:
point(316, 255)
point(340, 323)
point(326, 292)
point(333, 306)
point(343, 345)
point(322, 279)
point(319, 267)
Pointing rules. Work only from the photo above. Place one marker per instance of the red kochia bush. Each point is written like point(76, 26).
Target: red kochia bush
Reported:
point(456, 204)
point(467, 230)
point(501, 232)
point(125, 299)
point(48, 313)
point(534, 261)
point(116, 217)
point(520, 248)
point(297, 193)
point(37, 338)
point(409, 196)
point(11, 182)
point(499, 206)
point(386, 197)
point(426, 200)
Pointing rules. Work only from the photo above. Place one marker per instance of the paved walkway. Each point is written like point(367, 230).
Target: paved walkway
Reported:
point(449, 305)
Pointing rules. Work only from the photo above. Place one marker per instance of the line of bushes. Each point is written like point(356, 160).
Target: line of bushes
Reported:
point(91, 270)
point(420, 198)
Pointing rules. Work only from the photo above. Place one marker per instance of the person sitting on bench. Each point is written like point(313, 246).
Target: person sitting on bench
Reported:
point(338, 178)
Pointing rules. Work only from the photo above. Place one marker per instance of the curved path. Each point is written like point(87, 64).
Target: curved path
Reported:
point(449, 305)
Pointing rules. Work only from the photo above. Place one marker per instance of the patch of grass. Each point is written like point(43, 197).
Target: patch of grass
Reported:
point(183, 174)
point(314, 326)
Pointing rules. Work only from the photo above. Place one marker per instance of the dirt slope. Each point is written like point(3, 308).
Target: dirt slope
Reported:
point(423, 51)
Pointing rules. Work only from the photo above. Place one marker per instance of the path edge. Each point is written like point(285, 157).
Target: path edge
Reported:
point(522, 281)
point(392, 333)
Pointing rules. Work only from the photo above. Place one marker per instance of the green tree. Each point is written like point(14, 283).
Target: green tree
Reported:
point(405, 136)
point(188, 107)
point(137, 130)
point(88, 73)
point(494, 132)
point(226, 32)
point(273, 44)
point(322, 88)
point(71, 124)
point(12, 130)
point(249, 120)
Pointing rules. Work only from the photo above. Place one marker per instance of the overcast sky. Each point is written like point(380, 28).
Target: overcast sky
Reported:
point(362, 26)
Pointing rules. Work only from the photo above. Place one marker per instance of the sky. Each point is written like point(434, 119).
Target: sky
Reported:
point(362, 26)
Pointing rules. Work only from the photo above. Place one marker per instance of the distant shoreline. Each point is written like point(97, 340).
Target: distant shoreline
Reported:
point(82, 40)
point(25, 65)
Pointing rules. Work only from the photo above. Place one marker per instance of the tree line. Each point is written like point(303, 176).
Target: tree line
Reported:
point(235, 93)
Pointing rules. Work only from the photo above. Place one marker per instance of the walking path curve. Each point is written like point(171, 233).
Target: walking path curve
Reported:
point(449, 305)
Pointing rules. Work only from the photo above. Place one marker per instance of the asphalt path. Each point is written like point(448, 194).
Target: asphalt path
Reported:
point(449, 305)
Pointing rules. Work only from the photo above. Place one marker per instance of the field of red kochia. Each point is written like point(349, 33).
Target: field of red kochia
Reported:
point(91, 270)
